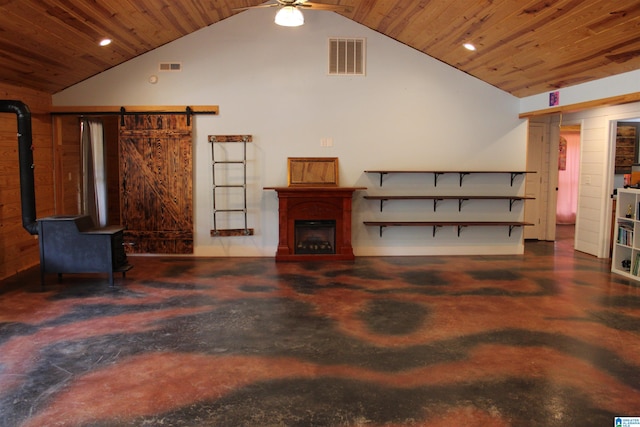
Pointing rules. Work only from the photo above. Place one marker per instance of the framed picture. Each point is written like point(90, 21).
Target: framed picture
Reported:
point(312, 171)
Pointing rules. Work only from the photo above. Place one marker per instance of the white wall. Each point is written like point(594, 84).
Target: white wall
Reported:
point(409, 112)
point(596, 168)
point(620, 84)
point(596, 183)
point(597, 147)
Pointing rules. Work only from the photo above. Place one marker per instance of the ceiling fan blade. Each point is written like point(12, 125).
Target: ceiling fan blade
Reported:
point(261, 6)
point(299, 3)
point(321, 6)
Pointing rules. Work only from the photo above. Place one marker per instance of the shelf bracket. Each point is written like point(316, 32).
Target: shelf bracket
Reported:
point(381, 175)
point(436, 175)
point(511, 227)
point(381, 203)
point(435, 204)
point(435, 227)
point(460, 227)
point(381, 227)
point(462, 175)
point(513, 176)
point(460, 201)
point(511, 202)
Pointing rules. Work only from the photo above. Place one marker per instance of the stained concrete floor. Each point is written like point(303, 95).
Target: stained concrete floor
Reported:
point(548, 338)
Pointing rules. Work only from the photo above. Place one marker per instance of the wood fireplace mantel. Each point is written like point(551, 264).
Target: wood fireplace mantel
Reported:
point(314, 203)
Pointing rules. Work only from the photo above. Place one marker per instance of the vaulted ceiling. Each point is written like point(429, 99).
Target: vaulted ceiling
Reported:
point(524, 47)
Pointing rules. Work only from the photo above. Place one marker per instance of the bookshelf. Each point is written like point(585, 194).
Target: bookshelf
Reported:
point(626, 245)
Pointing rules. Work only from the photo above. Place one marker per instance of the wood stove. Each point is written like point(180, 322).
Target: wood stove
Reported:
point(72, 244)
point(68, 244)
point(314, 223)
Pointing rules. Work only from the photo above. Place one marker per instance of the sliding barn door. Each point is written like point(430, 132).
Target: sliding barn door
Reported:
point(156, 184)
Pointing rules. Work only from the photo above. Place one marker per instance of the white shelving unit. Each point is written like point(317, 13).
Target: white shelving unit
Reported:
point(626, 246)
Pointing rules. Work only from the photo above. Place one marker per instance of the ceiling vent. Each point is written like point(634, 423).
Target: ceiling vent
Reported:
point(170, 66)
point(347, 56)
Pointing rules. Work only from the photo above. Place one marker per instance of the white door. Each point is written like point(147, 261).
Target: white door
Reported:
point(532, 213)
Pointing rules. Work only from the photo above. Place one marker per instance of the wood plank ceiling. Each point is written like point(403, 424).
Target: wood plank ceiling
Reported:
point(524, 47)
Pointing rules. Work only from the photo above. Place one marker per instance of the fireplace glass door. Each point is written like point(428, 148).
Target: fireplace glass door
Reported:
point(315, 236)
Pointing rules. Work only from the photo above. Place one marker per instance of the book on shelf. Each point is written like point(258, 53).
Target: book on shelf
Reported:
point(636, 264)
point(625, 234)
point(626, 222)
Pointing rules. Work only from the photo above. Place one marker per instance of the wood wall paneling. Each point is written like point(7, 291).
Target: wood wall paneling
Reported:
point(18, 249)
point(68, 165)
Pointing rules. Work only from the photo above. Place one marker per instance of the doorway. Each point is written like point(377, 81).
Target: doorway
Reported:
point(543, 148)
point(68, 166)
point(568, 180)
point(148, 172)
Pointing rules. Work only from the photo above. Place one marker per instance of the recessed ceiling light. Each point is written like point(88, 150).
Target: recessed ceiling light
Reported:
point(105, 42)
point(469, 46)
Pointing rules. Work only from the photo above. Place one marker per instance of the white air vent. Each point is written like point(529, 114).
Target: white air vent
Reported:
point(346, 56)
point(170, 66)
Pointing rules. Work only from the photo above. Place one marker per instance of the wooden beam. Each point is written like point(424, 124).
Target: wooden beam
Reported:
point(580, 106)
point(88, 109)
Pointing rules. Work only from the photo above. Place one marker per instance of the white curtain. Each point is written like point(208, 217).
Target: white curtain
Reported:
point(94, 195)
point(568, 179)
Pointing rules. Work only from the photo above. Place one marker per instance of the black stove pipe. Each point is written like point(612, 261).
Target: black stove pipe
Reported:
point(25, 154)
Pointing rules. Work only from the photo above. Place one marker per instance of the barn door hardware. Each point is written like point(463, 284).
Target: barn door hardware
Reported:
point(189, 111)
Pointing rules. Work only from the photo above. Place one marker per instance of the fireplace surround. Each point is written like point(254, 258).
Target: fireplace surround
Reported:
point(328, 209)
